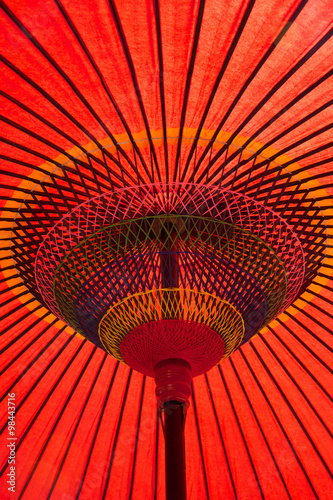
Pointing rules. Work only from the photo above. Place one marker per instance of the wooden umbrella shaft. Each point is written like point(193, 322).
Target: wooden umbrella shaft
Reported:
point(175, 472)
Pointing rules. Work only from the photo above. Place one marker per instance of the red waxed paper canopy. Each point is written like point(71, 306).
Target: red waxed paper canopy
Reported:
point(160, 82)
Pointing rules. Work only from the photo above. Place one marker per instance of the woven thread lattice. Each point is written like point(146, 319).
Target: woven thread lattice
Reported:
point(171, 304)
point(179, 236)
point(187, 199)
point(208, 254)
point(145, 201)
point(150, 343)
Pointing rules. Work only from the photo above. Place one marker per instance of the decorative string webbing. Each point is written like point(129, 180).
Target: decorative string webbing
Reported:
point(171, 304)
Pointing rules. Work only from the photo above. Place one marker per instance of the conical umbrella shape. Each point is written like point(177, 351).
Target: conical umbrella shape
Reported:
point(174, 102)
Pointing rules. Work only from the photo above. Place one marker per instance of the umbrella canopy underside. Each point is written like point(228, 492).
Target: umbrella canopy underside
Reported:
point(100, 95)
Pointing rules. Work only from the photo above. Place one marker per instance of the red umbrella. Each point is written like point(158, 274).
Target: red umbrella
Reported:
point(234, 97)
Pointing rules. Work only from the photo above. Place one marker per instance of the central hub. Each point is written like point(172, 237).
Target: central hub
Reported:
point(147, 328)
point(157, 341)
point(178, 271)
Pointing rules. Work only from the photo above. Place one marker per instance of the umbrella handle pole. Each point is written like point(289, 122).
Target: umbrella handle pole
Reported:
point(173, 388)
point(175, 470)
